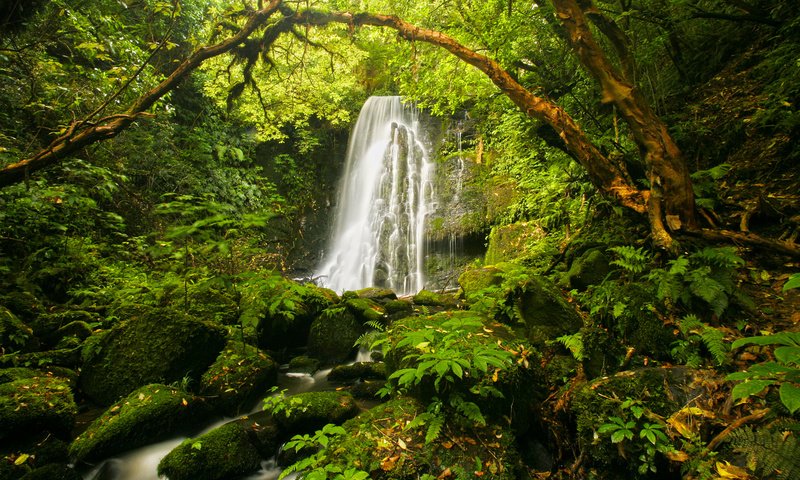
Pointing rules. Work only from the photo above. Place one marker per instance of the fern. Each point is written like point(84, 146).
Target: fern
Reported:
point(573, 343)
point(772, 452)
point(713, 339)
point(632, 260)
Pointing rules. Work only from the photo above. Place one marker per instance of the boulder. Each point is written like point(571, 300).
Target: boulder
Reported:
point(398, 309)
point(239, 376)
point(544, 311)
point(509, 242)
point(380, 295)
point(365, 309)
point(285, 323)
point(477, 279)
point(160, 346)
point(432, 299)
point(61, 471)
point(225, 452)
point(591, 268)
point(358, 371)
point(18, 373)
point(31, 450)
point(35, 404)
point(68, 357)
point(303, 364)
point(333, 335)
point(149, 414)
point(309, 411)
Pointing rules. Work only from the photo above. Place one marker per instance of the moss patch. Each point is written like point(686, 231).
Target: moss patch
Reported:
point(224, 452)
point(306, 412)
point(333, 335)
point(240, 374)
point(14, 335)
point(358, 371)
point(53, 471)
point(508, 242)
point(160, 346)
point(432, 299)
point(36, 403)
point(146, 415)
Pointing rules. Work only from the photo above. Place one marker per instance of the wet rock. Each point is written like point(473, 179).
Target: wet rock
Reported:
point(61, 471)
point(303, 364)
point(365, 310)
point(307, 412)
point(432, 299)
point(287, 322)
point(358, 371)
point(160, 346)
point(34, 404)
point(149, 414)
point(225, 452)
point(380, 295)
point(239, 376)
point(396, 309)
point(333, 335)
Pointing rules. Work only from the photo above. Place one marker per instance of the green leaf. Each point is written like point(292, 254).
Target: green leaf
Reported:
point(790, 396)
point(793, 282)
point(788, 354)
point(618, 436)
point(750, 387)
point(457, 370)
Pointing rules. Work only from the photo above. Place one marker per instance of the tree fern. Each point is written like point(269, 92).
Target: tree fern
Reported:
point(773, 453)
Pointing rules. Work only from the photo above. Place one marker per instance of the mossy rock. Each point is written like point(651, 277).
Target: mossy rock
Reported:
point(366, 310)
point(545, 312)
point(303, 364)
point(509, 242)
point(432, 299)
point(309, 411)
point(591, 268)
point(239, 376)
point(286, 324)
point(36, 403)
point(18, 373)
point(398, 308)
point(401, 453)
point(380, 295)
point(61, 471)
point(23, 304)
point(225, 452)
point(161, 346)
point(49, 326)
point(477, 279)
point(14, 334)
point(333, 335)
point(149, 414)
point(78, 329)
point(61, 357)
point(358, 371)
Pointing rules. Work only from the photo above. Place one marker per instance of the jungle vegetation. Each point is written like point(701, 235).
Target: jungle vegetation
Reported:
point(635, 163)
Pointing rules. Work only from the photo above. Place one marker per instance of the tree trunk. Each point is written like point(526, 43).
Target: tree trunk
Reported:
point(671, 199)
point(608, 177)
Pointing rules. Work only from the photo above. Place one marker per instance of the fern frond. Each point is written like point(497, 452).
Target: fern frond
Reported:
point(573, 343)
point(633, 260)
point(772, 452)
point(724, 257)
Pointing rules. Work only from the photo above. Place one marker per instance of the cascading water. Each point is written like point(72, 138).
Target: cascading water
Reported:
point(385, 197)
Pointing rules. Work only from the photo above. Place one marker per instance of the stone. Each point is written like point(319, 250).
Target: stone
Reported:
point(509, 242)
point(287, 322)
point(61, 471)
point(148, 414)
point(477, 279)
point(432, 299)
point(545, 312)
point(591, 268)
point(333, 335)
point(303, 364)
point(36, 403)
point(240, 375)
point(358, 371)
point(161, 346)
point(380, 295)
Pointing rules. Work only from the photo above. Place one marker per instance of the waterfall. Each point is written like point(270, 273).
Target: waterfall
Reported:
point(386, 193)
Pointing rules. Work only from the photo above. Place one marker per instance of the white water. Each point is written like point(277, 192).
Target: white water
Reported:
point(385, 196)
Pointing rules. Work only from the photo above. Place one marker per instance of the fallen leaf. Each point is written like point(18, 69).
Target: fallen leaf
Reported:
point(445, 474)
point(184, 402)
point(21, 459)
point(726, 470)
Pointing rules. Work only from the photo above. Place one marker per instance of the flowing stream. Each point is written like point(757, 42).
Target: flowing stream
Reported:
point(385, 196)
point(142, 463)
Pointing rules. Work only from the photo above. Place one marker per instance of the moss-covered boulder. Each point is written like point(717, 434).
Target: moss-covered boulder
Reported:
point(290, 310)
point(18, 373)
point(14, 334)
point(51, 327)
point(591, 268)
point(225, 452)
point(433, 299)
point(150, 413)
point(306, 412)
point(358, 371)
point(303, 364)
point(30, 450)
point(509, 242)
point(398, 309)
point(160, 346)
point(380, 295)
point(68, 357)
point(396, 452)
point(333, 335)
point(545, 312)
point(36, 403)
point(477, 279)
point(239, 376)
point(365, 309)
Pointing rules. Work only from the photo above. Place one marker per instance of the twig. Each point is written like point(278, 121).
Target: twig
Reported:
point(754, 417)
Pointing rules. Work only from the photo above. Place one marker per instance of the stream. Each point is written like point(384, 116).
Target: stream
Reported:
point(142, 463)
